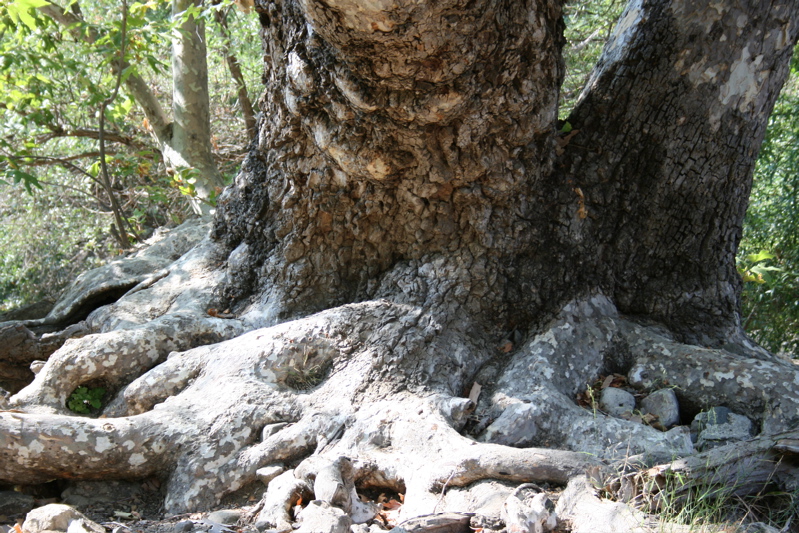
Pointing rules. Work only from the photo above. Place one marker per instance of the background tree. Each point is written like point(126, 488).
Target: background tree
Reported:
point(769, 256)
point(51, 141)
point(412, 221)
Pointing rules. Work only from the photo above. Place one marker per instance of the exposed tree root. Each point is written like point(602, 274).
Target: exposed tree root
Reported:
point(531, 402)
point(21, 346)
point(349, 399)
point(737, 469)
point(25, 341)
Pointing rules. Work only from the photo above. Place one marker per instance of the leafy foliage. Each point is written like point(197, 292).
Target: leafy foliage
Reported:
point(769, 253)
point(84, 399)
point(588, 26)
point(52, 85)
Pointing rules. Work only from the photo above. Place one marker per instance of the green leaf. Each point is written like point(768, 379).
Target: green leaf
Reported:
point(28, 180)
point(762, 256)
point(32, 3)
point(21, 9)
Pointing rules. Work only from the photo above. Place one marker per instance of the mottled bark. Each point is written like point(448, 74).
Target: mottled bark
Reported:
point(393, 138)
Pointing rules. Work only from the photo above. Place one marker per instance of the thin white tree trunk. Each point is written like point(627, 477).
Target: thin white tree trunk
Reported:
point(190, 144)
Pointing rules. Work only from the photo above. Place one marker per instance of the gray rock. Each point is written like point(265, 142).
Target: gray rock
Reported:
point(225, 516)
point(184, 526)
point(59, 517)
point(271, 429)
point(321, 517)
point(13, 503)
point(720, 426)
point(516, 426)
point(663, 403)
point(716, 415)
point(616, 402)
point(268, 473)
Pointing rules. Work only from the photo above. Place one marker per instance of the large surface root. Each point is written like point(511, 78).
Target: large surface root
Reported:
point(532, 403)
point(313, 377)
point(351, 399)
point(25, 341)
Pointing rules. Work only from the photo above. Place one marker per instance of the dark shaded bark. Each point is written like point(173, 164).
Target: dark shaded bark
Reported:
point(666, 137)
point(392, 139)
point(20, 346)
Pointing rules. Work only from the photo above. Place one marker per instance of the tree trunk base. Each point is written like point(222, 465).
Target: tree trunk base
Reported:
point(351, 399)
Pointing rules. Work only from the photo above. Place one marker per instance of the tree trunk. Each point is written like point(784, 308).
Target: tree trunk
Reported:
point(663, 156)
point(412, 224)
point(190, 144)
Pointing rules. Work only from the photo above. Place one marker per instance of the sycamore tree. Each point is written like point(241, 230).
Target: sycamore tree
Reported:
point(411, 222)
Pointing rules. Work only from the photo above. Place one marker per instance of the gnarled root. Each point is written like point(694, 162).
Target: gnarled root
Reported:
point(351, 398)
point(532, 401)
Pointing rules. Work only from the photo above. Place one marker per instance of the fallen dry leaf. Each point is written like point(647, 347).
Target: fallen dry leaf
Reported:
point(392, 505)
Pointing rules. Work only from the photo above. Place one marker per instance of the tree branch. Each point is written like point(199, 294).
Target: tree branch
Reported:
point(121, 233)
point(235, 73)
point(58, 132)
point(135, 85)
point(40, 161)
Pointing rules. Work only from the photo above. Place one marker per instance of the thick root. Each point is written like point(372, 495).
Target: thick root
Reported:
point(532, 401)
point(40, 448)
point(116, 358)
point(324, 393)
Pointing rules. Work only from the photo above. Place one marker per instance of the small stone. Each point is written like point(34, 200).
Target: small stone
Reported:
point(271, 429)
point(663, 404)
point(718, 415)
point(59, 517)
point(14, 503)
point(225, 516)
point(268, 473)
point(616, 402)
point(711, 433)
point(184, 526)
point(516, 426)
point(321, 517)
